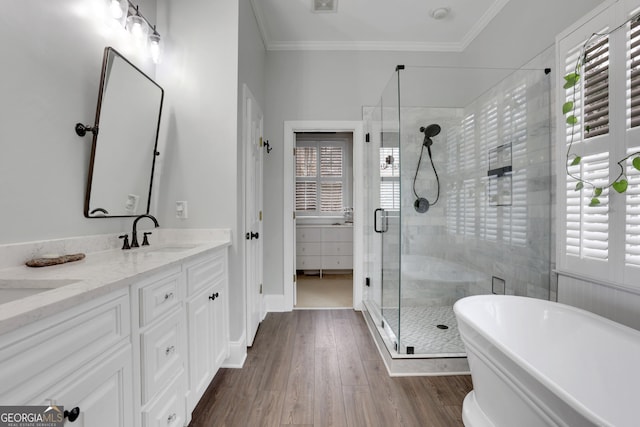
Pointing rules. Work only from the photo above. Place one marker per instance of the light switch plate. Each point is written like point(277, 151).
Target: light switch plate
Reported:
point(181, 210)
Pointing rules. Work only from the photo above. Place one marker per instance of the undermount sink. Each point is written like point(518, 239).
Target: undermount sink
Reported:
point(171, 248)
point(14, 289)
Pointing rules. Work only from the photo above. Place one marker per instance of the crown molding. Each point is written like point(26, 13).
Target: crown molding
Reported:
point(482, 23)
point(367, 46)
point(457, 47)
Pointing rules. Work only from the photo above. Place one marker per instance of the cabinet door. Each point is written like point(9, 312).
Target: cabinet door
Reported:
point(102, 392)
point(201, 332)
point(220, 324)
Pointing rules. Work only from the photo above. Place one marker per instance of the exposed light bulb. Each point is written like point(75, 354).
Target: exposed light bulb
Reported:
point(115, 9)
point(138, 28)
point(155, 47)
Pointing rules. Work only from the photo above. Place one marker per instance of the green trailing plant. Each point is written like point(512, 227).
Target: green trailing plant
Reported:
point(572, 81)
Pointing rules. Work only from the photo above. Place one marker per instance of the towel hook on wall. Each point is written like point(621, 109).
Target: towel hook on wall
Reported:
point(267, 146)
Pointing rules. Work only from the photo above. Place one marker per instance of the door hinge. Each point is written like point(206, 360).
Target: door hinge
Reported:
point(260, 141)
point(260, 288)
point(260, 215)
point(294, 151)
point(367, 281)
point(294, 215)
point(294, 278)
point(367, 138)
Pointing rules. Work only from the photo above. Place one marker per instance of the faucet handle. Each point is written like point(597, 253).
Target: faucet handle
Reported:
point(145, 241)
point(125, 245)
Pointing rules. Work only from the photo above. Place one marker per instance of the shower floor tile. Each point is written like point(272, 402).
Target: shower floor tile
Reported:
point(419, 329)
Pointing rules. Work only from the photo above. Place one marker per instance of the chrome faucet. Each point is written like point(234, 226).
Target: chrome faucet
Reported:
point(134, 233)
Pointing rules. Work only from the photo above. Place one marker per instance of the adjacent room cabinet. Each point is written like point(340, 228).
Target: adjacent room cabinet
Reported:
point(141, 356)
point(324, 247)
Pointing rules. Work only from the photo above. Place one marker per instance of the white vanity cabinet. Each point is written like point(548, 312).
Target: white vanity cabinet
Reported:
point(160, 353)
point(142, 355)
point(80, 357)
point(207, 314)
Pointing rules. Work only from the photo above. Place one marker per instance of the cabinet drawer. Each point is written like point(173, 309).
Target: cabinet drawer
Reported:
point(37, 356)
point(337, 262)
point(206, 271)
point(337, 248)
point(168, 410)
point(308, 262)
point(337, 234)
point(159, 297)
point(309, 248)
point(308, 234)
point(102, 392)
point(162, 354)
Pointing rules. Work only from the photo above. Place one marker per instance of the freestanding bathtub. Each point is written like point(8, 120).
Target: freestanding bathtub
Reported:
point(538, 363)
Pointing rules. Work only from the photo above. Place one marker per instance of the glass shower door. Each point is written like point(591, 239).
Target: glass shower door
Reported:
point(387, 216)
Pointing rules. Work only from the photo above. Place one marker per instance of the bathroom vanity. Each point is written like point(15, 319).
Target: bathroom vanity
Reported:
point(129, 338)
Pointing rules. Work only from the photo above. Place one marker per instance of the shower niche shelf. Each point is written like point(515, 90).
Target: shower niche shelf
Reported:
point(500, 171)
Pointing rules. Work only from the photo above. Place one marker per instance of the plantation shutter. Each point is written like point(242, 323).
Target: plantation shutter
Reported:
point(596, 89)
point(632, 231)
point(331, 159)
point(390, 178)
point(331, 197)
point(306, 195)
point(587, 227)
point(633, 88)
point(306, 162)
point(306, 172)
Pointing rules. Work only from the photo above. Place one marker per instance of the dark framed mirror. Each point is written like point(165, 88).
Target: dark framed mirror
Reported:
point(125, 138)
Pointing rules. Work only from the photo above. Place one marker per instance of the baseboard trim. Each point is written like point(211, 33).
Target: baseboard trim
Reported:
point(237, 353)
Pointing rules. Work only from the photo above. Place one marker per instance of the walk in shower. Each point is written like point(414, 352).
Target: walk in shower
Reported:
point(458, 199)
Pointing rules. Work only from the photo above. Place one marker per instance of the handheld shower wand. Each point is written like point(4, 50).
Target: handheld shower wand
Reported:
point(421, 205)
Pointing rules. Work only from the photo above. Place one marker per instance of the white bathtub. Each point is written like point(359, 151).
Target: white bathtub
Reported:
point(539, 363)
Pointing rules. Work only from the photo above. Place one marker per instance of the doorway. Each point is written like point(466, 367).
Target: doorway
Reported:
point(355, 129)
point(324, 220)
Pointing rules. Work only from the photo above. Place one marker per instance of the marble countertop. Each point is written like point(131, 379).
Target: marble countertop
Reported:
point(97, 274)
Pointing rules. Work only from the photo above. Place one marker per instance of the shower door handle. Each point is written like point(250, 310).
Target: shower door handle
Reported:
point(383, 219)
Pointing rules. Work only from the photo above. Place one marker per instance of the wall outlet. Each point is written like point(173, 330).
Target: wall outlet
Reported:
point(181, 210)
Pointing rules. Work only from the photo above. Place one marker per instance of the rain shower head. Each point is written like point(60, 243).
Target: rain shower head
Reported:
point(429, 131)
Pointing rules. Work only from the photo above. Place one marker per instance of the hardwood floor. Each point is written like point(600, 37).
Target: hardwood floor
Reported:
point(321, 368)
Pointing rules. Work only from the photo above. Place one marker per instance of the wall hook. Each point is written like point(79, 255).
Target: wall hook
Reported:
point(267, 146)
point(81, 130)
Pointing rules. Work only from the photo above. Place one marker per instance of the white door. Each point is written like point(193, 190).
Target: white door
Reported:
point(253, 149)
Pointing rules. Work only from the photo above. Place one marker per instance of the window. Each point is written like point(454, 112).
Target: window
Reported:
point(321, 177)
point(601, 241)
point(390, 178)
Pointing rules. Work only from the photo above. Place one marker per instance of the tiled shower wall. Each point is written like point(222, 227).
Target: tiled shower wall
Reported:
point(465, 229)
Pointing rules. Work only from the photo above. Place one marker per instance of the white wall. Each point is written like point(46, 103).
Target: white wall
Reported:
point(335, 86)
point(251, 71)
point(199, 133)
point(51, 58)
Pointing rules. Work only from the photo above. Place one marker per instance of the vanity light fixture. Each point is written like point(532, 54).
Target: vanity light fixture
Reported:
point(156, 46)
point(118, 10)
point(138, 28)
point(143, 33)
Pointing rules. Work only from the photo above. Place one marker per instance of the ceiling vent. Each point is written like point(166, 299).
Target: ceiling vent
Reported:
point(324, 5)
